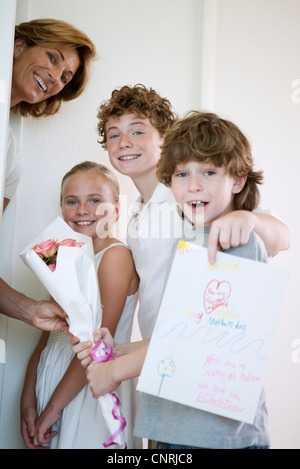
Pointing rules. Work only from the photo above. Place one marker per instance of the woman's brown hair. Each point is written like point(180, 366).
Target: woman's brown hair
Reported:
point(47, 33)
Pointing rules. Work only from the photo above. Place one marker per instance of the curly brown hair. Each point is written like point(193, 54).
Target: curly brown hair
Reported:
point(48, 33)
point(137, 100)
point(206, 138)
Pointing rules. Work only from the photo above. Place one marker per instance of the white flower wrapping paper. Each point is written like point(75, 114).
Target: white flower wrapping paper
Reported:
point(74, 286)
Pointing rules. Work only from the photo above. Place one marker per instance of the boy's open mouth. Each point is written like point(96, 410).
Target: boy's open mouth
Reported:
point(197, 204)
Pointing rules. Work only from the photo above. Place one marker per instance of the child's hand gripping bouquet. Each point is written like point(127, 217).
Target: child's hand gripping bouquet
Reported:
point(64, 262)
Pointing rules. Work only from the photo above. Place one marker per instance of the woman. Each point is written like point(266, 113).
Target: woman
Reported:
point(50, 64)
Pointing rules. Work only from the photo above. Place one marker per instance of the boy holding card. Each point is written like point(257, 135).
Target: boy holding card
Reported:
point(207, 162)
point(132, 126)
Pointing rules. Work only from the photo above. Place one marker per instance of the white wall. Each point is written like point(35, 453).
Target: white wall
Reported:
point(252, 51)
point(257, 61)
point(154, 42)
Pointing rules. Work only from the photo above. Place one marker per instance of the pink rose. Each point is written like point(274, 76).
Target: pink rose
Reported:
point(47, 248)
point(71, 242)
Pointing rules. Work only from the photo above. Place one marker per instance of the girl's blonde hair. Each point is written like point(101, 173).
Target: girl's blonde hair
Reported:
point(100, 170)
point(206, 138)
point(49, 33)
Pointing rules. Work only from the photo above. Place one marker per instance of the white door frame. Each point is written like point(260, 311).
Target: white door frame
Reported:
point(7, 27)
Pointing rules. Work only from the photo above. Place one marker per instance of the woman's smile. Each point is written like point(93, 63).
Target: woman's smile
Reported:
point(39, 73)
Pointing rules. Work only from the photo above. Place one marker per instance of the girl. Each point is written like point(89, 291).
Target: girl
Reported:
point(57, 408)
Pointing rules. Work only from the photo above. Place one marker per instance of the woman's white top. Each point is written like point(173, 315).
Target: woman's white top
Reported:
point(13, 165)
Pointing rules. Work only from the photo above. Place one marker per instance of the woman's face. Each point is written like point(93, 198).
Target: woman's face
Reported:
point(39, 73)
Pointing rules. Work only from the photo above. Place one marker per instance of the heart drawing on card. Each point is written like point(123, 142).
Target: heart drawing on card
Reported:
point(216, 294)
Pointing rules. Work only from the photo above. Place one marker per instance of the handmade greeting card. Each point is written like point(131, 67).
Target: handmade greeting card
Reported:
point(214, 331)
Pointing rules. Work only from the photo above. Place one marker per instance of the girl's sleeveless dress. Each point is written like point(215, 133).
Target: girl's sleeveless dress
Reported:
point(81, 424)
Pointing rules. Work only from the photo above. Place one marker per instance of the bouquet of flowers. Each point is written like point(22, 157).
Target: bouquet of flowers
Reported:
point(48, 250)
point(67, 270)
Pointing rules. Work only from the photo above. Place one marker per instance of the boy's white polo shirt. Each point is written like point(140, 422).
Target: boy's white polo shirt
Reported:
point(151, 234)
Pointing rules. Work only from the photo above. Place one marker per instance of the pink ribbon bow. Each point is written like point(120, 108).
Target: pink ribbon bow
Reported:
point(110, 354)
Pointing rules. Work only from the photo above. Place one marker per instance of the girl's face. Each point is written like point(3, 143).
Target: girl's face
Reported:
point(87, 200)
point(39, 73)
point(204, 192)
